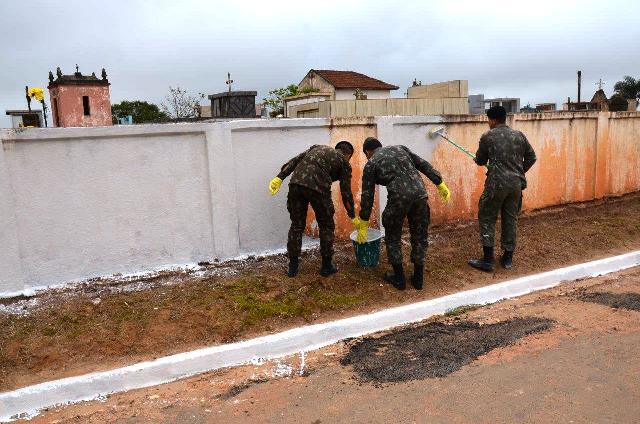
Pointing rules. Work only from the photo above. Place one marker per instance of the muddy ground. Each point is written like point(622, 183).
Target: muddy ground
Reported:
point(584, 368)
point(109, 323)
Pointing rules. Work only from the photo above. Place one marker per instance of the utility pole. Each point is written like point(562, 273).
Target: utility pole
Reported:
point(579, 84)
point(26, 92)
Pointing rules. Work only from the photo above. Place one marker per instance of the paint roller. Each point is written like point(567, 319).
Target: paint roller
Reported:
point(439, 131)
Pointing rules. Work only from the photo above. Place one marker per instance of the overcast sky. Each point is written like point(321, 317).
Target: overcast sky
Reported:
point(526, 49)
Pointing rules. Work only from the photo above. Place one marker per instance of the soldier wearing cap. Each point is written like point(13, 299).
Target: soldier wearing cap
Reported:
point(508, 156)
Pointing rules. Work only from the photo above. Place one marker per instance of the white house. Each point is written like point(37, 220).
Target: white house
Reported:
point(338, 85)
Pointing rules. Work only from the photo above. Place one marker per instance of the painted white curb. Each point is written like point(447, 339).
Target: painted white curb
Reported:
point(31, 399)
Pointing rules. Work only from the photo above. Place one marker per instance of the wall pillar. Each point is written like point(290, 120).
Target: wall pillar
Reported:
point(11, 276)
point(602, 179)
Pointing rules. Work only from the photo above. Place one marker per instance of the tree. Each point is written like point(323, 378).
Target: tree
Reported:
point(617, 103)
point(274, 100)
point(140, 111)
point(179, 104)
point(629, 88)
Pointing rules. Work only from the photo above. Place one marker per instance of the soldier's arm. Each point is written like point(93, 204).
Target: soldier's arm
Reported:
point(529, 155)
point(482, 155)
point(368, 191)
point(345, 191)
point(424, 167)
point(290, 166)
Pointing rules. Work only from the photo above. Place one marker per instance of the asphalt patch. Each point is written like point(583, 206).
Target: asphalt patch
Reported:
point(615, 300)
point(434, 349)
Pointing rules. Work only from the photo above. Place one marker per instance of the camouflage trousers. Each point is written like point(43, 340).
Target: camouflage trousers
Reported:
point(297, 203)
point(418, 215)
point(506, 202)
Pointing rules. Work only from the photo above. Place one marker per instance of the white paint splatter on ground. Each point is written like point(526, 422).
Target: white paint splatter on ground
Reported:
point(32, 299)
point(301, 371)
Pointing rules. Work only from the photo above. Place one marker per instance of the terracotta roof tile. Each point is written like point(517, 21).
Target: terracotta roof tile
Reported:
point(350, 79)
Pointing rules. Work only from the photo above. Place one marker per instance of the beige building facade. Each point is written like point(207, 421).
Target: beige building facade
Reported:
point(445, 98)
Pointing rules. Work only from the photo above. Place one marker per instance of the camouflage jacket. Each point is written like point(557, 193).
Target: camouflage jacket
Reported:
point(317, 168)
point(507, 154)
point(395, 167)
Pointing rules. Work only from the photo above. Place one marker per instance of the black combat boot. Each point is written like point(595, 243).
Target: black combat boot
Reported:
point(486, 263)
point(507, 259)
point(418, 276)
point(396, 277)
point(293, 267)
point(328, 267)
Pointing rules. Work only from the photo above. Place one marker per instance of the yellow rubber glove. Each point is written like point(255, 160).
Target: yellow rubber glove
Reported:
point(444, 192)
point(362, 232)
point(274, 185)
point(356, 222)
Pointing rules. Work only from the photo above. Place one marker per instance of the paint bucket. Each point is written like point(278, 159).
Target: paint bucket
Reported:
point(368, 253)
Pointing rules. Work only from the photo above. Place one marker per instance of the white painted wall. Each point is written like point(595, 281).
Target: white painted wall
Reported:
point(11, 277)
point(348, 94)
point(93, 205)
point(83, 202)
point(16, 121)
point(258, 155)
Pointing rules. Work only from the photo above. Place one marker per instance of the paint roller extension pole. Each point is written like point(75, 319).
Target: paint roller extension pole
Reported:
point(439, 131)
point(471, 155)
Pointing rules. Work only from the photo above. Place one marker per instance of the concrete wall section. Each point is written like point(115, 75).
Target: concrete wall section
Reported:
point(410, 131)
point(88, 205)
point(581, 156)
point(259, 152)
point(621, 170)
point(382, 107)
point(222, 197)
point(83, 202)
point(349, 94)
point(566, 160)
point(11, 277)
point(354, 131)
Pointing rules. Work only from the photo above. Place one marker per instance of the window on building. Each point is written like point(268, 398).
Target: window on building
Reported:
point(56, 117)
point(85, 105)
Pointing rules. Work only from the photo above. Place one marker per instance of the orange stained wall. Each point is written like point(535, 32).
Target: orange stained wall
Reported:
point(355, 131)
point(581, 156)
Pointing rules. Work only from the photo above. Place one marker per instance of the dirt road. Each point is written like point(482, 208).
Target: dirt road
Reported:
point(110, 323)
point(568, 354)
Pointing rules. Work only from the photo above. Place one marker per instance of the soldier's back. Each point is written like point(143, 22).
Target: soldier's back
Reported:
point(506, 150)
point(319, 168)
point(395, 170)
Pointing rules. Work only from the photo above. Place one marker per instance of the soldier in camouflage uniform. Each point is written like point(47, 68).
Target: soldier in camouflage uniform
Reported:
point(508, 156)
point(313, 173)
point(396, 167)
